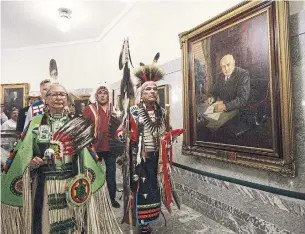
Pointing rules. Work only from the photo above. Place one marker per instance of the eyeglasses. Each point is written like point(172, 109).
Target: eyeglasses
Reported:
point(149, 88)
point(58, 95)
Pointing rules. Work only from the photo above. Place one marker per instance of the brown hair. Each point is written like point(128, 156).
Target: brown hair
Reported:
point(45, 82)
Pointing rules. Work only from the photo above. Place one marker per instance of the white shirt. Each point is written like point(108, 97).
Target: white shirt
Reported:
point(3, 117)
point(9, 125)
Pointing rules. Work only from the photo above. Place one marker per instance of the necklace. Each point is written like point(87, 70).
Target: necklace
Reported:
point(57, 121)
point(155, 127)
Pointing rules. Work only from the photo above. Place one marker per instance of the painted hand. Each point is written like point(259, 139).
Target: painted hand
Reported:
point(220, 108)
point(211, 100)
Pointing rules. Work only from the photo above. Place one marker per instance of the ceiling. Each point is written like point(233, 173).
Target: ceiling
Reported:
point(34, 23)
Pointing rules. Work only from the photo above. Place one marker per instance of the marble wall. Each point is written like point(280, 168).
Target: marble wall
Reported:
point(239, 208)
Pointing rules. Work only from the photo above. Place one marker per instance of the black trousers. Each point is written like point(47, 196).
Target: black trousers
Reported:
point(110, 162)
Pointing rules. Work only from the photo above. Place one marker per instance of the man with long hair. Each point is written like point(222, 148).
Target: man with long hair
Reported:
point(146, 173)
point(101, 112)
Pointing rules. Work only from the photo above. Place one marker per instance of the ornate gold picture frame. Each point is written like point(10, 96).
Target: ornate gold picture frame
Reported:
point(14, 95)
point(242, 115)
point(163, 95)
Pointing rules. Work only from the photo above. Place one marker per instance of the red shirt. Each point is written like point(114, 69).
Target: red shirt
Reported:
point(101, 142)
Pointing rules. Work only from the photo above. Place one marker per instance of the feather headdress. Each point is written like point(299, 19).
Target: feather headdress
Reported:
point(149, 72)
point(53, 71)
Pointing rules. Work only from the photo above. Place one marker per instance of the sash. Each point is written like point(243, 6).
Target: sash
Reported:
point(95, 114)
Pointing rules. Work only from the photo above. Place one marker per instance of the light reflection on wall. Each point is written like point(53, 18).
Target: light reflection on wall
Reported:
point(175, 94)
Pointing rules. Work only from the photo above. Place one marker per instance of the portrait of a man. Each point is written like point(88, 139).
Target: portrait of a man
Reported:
point(237, 87)
point(232, 86)
point(231, 73)
point(13, 97)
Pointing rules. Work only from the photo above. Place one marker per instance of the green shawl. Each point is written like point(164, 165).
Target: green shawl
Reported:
point(16, 191)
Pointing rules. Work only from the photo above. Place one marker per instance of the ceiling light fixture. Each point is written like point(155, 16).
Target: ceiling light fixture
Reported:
point(64, 23)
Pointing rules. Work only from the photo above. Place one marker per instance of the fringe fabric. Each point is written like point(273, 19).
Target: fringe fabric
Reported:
point(100, 216)
point(27, 199)
point(59, 214)
point(165, 179)
point(79, 217)
point(18, 220)
point(56, 186)
point(166, 190)
point(11, 220)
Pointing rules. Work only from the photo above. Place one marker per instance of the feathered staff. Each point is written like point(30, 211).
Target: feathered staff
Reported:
point(127, 93)
point(53, 71)
point(126, 89)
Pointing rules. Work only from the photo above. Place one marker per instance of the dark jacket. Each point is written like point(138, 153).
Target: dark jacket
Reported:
point(235, 92)
point(21, 118)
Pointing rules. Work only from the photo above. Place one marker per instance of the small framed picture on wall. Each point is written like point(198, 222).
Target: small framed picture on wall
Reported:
point(163, 95)
point(14, 96)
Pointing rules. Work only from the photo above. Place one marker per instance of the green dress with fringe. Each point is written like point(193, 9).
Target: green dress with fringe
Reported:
point(49, 199)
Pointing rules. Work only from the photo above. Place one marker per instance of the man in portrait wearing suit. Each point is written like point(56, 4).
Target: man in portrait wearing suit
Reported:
point(232, 86)
point(14, 98)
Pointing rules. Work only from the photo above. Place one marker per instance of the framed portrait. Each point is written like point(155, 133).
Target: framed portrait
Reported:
point(80, 104)
point(237, 87)
point(163, 95)
point(14, 95)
